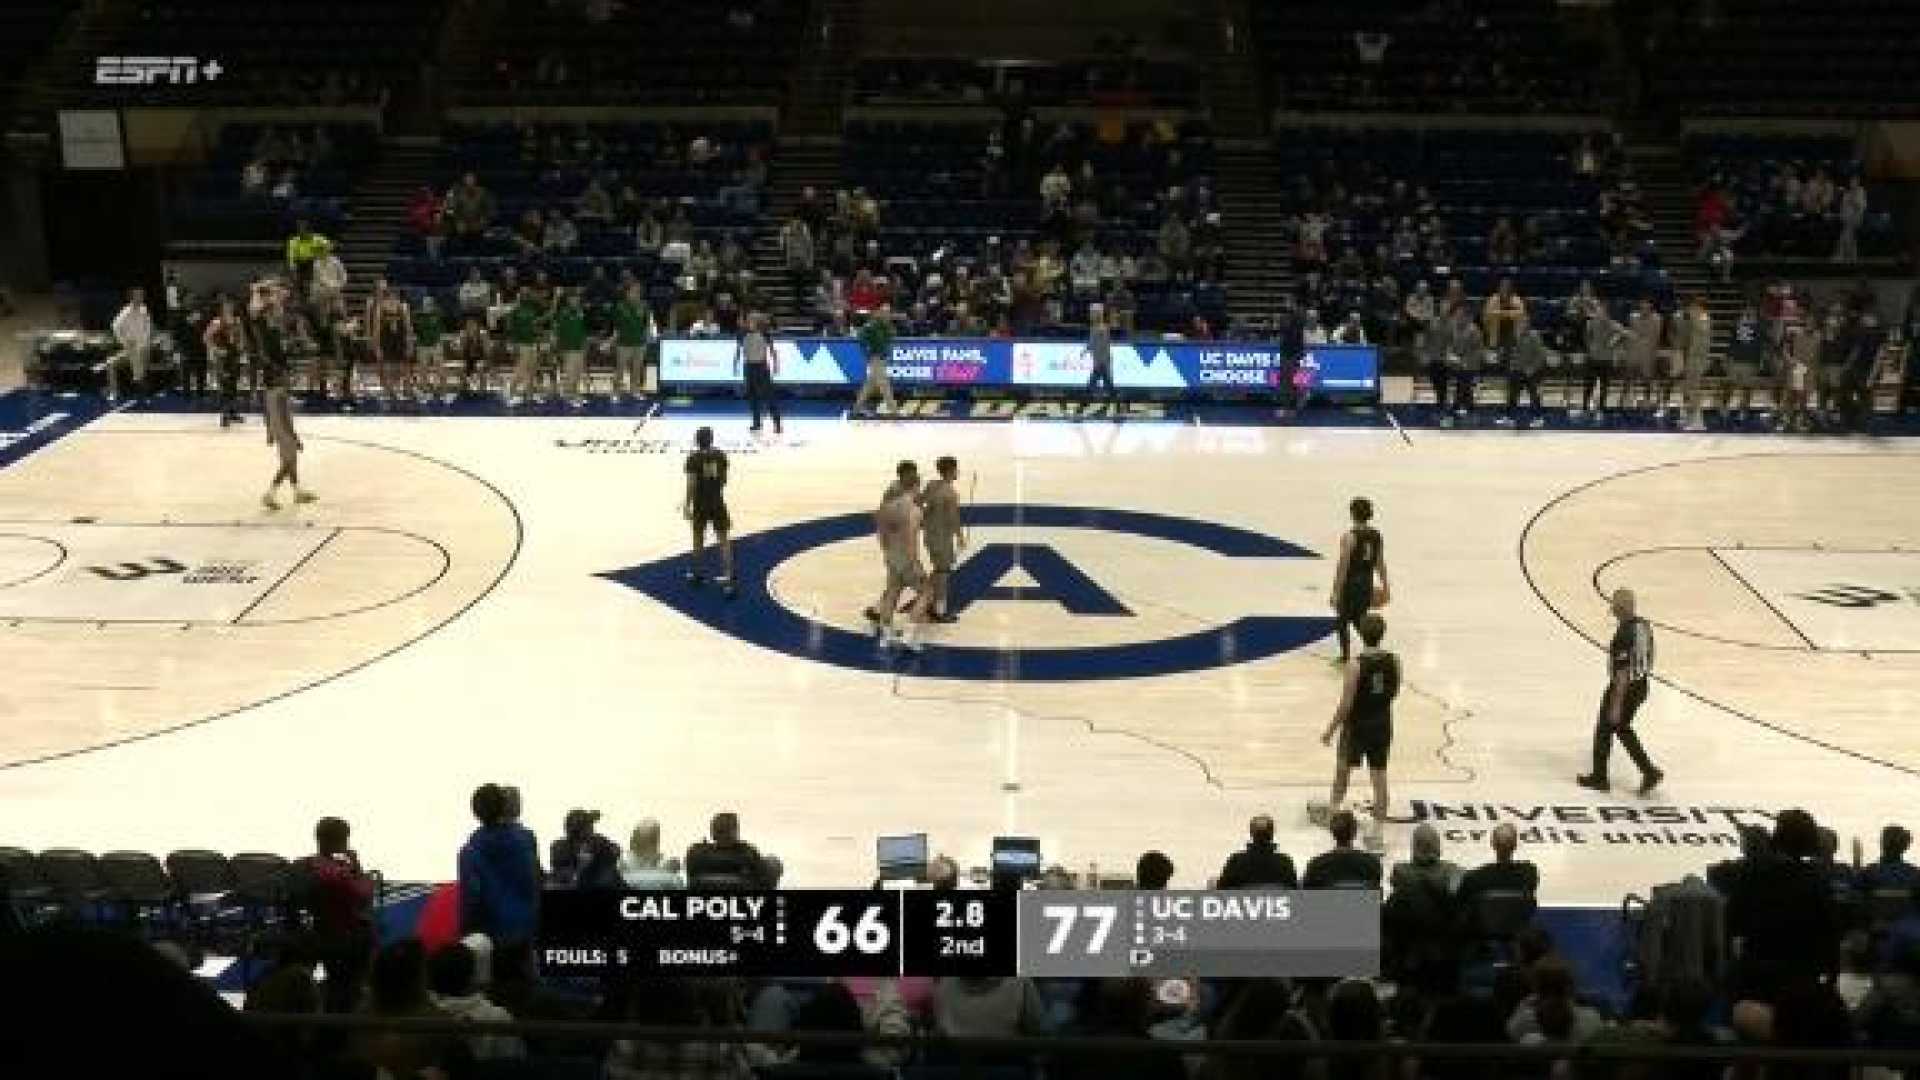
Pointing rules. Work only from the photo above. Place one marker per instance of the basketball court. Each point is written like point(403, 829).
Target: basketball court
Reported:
point(1142, 659)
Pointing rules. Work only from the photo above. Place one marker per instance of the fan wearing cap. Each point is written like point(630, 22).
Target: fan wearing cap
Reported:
point(582, 858)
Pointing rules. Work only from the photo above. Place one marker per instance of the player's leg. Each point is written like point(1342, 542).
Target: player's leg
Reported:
point(756, 393)
point(1382, 798)
point(696, 568)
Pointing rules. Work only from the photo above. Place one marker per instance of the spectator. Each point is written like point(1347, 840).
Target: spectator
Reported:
point(1550, 1013)
point(1892, 870)
point(1426, 865)
point(339, 894)
point(1889, 1016)
point(642, 867)
point(1354, 1015)
point(561, 236)
point(1118, 1009)
point(287, 187)
point(253, 178)
point(582, 858)
point(1853, 213)
point(453, 978)
point(133, 332)
point(1153, 871)
point(724, 859)
point(500, 881)
point(1503, 243)
point(1175, 243)
point(676, 1003)
point(399, 989)
point(475, 296)
point(1504, 874)
point(594, 205)
point(1055, 187)
point(796, 247)
point(1344, 866)
point(988, 1007)
point(471, 206)
point(1261, 864)
point(1783, 914)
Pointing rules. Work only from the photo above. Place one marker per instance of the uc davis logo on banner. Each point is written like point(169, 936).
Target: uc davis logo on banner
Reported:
point(1051, 578)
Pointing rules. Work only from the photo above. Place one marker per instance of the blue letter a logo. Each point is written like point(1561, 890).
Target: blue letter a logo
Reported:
point(1054, 578)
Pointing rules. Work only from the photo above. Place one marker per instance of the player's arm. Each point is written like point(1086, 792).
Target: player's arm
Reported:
point(1340, 572)
point(1340, 714)
point(686, 505)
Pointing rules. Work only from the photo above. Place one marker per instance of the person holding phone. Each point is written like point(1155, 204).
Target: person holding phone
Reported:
point(339, 895)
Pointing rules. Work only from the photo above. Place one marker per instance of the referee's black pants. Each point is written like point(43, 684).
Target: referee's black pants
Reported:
point(760, 394)
point(1604, 733)
point(1102, 375)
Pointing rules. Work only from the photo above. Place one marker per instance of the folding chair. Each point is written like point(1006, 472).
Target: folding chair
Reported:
point(140, 885)
point(23, 887)
point(75, 879)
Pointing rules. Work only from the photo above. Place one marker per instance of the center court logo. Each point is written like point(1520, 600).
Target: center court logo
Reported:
point(758, 618)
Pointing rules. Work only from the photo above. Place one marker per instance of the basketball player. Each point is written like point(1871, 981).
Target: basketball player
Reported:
point(278, 412)
point(1362, 555)
point(944, 534)
point(897, 527)
point(1629, 664)
point(390, 325)
point(1364, 721)
point(706, 505)
point(876, 339)
point(226, 354)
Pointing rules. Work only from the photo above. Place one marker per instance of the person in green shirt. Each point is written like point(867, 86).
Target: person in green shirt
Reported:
point(526, 326)
point(876, 340)
point(632, 329)
point(427, 331)
point(570, 340)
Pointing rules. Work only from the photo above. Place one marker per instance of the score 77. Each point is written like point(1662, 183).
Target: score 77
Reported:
point(1066, 916)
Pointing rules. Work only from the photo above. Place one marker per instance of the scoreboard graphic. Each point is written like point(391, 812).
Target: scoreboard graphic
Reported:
point(891, 933)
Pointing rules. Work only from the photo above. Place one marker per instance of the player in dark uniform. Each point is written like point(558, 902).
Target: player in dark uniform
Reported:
point(706, 506)
point(1364, 720)
point(1629, 666)
point(1362, 555)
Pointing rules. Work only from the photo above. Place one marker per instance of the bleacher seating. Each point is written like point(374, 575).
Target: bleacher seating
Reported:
point(641, 53)
point(211, 205)
point(519, 166)
point(1468, 181)
point(1853, 57)
point(946, 201)
point(1748, 170)
point(953, 80)
point(1490, 56)
point(282, 52)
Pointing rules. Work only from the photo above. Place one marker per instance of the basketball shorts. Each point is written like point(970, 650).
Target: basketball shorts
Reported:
point(1369, 744)
point(905, 573)
point(712, 516)
point(942, 555)
point(1355, 602)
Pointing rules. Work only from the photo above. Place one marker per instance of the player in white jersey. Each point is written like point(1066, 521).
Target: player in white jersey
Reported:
point(897, 527)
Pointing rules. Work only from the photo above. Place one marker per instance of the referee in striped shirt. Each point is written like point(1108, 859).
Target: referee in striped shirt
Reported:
point(1629, 663)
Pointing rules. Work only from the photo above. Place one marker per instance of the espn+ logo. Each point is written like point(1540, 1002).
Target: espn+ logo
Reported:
point(154, 70)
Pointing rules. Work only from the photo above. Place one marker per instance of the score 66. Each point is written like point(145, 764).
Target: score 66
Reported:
point(869, 935)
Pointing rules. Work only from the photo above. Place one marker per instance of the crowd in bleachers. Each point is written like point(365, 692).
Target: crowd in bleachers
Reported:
point(1492, 56)
point(1016, 229)
point(1790, 944)
point(1774, 196)
point(633, 52)
point(1380, 213)
point(259, 180)
point(1125, 77)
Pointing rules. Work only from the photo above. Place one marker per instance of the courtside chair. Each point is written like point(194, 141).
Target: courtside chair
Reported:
point(25, 890)
point(139, 886)
point(77, 885)
point(203, 880)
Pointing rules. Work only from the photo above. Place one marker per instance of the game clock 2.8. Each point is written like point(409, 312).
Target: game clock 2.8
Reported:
point(950, 933)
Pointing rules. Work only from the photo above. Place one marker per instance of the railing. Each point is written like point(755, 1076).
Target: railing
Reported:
point(1066, 1048)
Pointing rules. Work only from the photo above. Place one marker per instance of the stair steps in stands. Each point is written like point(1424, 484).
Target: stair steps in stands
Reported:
point(1253, 216)
point(799, 162)
point(378, 210)
point(1668, 195)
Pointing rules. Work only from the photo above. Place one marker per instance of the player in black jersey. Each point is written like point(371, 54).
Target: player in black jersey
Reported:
point(1364, 720)
point(1362, 555)
point(706, 505)
point(1629, 667)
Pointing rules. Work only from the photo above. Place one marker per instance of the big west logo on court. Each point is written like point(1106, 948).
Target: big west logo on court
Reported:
point(1858, 596)
point(759, 618)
